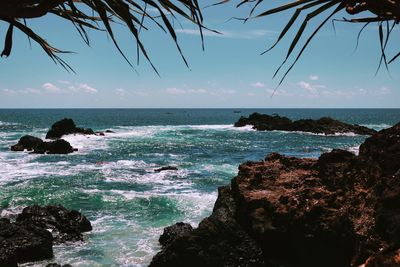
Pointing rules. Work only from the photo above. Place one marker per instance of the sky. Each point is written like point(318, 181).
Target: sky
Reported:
point(229, 73)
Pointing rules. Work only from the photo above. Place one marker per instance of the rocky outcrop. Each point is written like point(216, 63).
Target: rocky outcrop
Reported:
point(340, 210)
point(22, 243)
point(64, 224)
point(27, 142)
point(38, 146)
point(173, 232)
point(325, 125)
point(29, 239)
point(166, 168)
point(64, 127)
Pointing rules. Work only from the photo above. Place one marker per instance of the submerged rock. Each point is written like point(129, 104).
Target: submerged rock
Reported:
point(166, 168)
point(21, 242)
point(64, 127)
point(65, 224)
point(325, 125)
point(340, 210)
point(38, 146)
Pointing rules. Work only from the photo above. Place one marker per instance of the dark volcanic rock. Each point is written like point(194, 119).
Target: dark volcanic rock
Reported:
point(166, 168)
point(59, 146)
point(325, 125)
point(27, 142)
point(66, 225)
point(23, 242)
point(341, 210)
point(38, 146)
point(218, 241)
point(64, 127)
point(173, 232)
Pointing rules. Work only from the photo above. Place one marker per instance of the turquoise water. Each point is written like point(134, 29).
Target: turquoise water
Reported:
point(112, 181)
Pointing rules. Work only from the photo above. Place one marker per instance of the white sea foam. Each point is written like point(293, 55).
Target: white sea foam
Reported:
point(350, 134)
point(354, 149)
point(3, 123)
point(86, 143)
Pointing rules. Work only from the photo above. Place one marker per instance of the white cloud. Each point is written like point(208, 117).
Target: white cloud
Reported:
point(306, 86)
point(258, 85)
point(228, 92)
point(198, 91)
point(9, 91)
point(64, 82)
point(30, 91)
point(313, 77)
point(140, 93)
point(279, 92)
point(82, 87)
point(175, 91)
point(51, 88)
point(87, 88)
point(120, 92)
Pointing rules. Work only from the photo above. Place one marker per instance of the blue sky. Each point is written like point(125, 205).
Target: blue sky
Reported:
point(229, 73)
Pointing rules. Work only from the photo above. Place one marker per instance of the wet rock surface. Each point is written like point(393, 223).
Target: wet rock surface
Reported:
point(64, 127)
point(38, 146)
point(173, 232)
point(65, 224)
point(336, 211)
point(166, 168)
point(325, 125)
point(29, 238)
point(21, 242)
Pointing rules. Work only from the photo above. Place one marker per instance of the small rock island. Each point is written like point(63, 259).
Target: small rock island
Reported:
point(324, 125)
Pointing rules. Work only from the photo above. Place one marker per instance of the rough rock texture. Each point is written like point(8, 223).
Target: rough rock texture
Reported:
point(38, 146)
point(64, 127)
point(65, 225)
point(218, 241)
point(323, 125)
point(27, 142)
point(173, 232)
point(166, 168)
point(21, 242)
point(339, 210)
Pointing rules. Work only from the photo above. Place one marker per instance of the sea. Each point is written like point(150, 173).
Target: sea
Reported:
point(111, 178)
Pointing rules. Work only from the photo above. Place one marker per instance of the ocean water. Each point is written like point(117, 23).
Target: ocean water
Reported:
point(112, 181)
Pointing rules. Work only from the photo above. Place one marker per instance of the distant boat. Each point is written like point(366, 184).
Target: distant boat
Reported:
point(237, 111)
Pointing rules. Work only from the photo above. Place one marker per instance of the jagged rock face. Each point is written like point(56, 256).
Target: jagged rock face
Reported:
point(38, 146)
point(66, 225)
point(20, 242)
point(338, 211)
point(218, 241)
point(173, 232)
point(325, 125)
point(27, 142)
point(64, 127)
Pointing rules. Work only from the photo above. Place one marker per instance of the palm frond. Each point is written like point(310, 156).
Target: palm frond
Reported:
point(100, 15)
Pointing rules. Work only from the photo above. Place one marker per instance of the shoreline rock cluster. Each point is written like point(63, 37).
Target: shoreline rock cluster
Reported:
point(324, 125)
point(35, 230)
point(340, 210)
point(58, 146)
